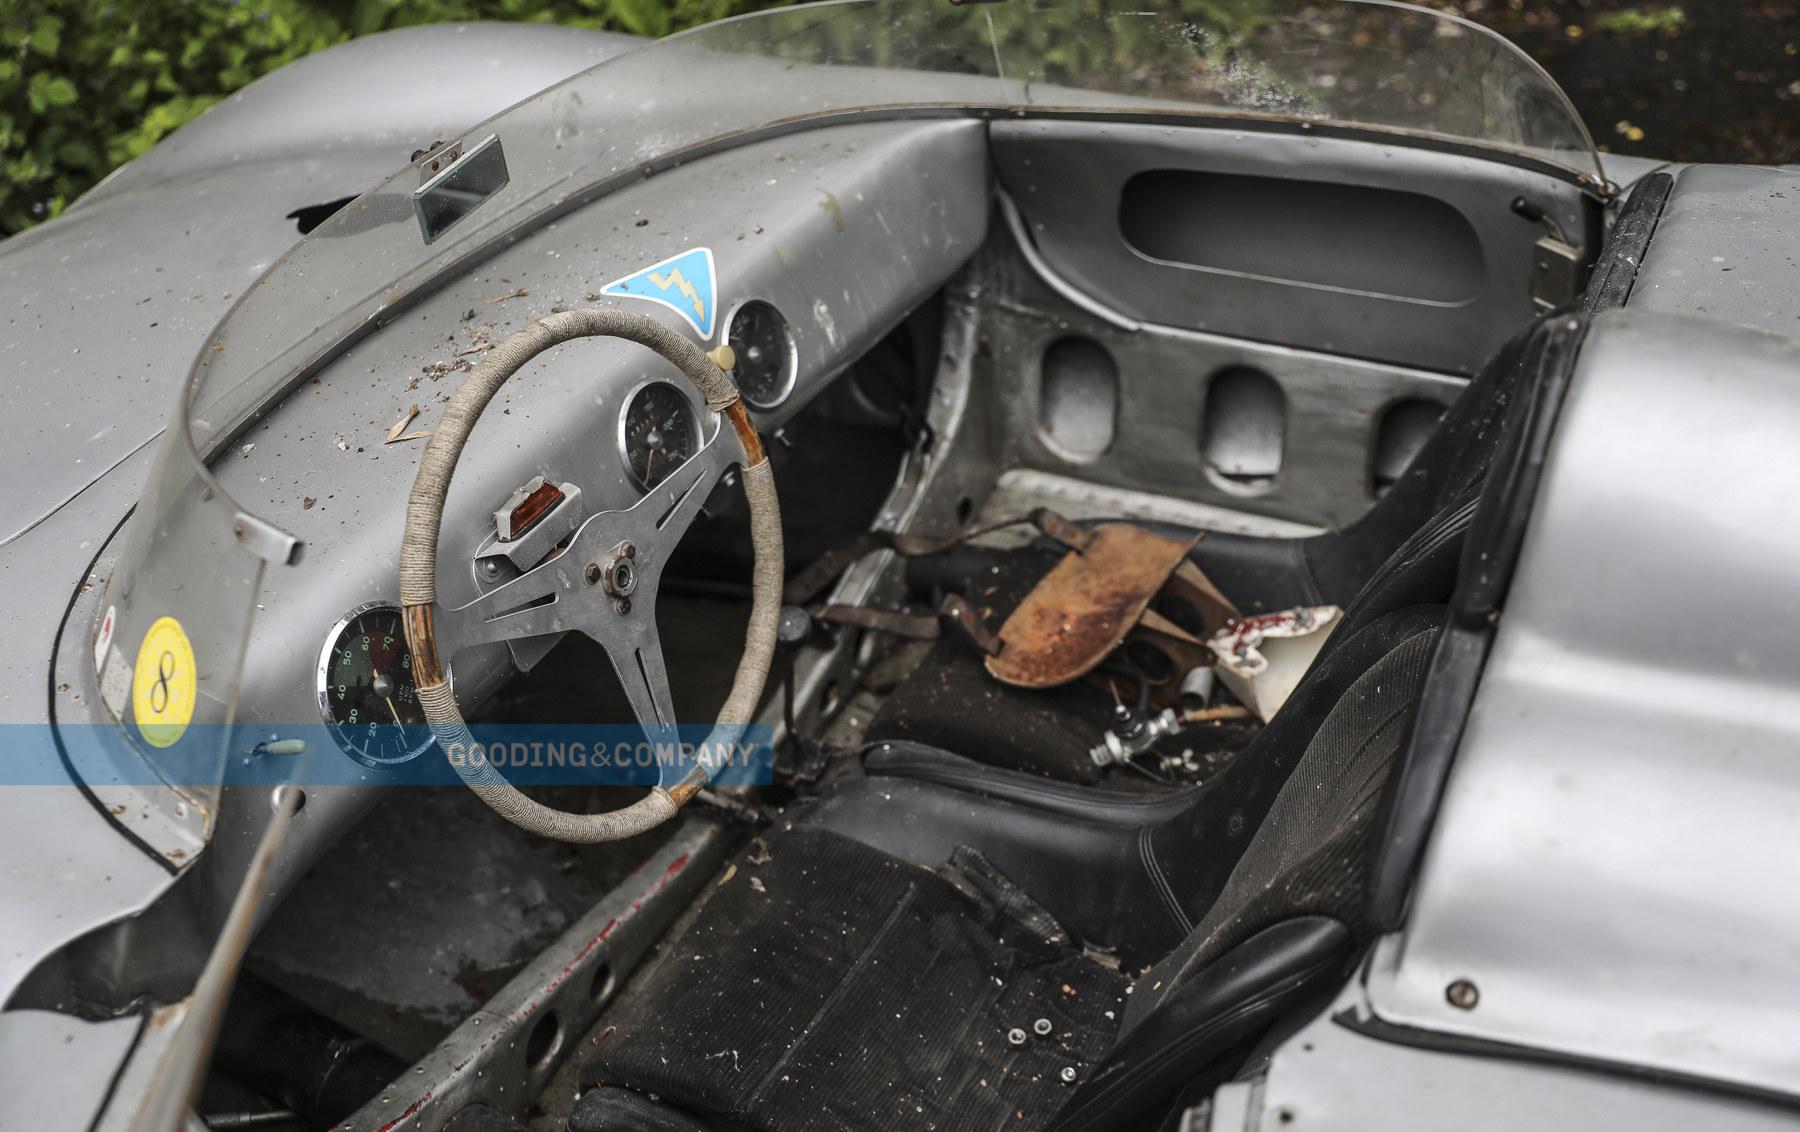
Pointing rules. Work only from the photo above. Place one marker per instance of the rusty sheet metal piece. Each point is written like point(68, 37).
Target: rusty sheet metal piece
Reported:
point(1084, 607)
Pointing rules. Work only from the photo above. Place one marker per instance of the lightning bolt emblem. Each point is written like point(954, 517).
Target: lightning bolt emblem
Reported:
point(687, 284)
point(674, 278)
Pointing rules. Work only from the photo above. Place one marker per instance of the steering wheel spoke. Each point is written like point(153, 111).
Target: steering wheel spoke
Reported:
point(535, 604)
point(635, 650)
point(655, 524)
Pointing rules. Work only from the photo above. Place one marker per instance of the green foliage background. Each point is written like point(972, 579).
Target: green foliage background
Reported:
point(86, 85)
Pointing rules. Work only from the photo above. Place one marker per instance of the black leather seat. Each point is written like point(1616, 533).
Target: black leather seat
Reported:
point(1121, 871)
point(841, 987)
point(842, 970)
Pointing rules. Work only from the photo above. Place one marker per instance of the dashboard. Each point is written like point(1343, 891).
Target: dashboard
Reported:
point(821, 242)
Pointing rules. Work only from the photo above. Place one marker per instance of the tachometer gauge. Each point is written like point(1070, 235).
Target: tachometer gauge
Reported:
point(766, 359)
point(657, 433)
point(366, 688)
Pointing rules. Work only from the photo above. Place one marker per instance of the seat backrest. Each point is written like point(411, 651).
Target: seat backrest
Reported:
point(1309, 855)
point(1290, 913)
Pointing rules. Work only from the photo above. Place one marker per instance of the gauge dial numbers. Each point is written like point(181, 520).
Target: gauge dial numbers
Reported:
point(658, 433)
point(366, 688)
point(767, 362)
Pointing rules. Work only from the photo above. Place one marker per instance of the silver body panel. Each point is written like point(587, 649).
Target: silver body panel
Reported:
point(1330, 1078)
point(1724, 249)
point(1613, 865)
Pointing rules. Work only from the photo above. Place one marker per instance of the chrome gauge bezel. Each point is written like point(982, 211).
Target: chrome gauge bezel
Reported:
point(322, 688)
point(790, 359)
point(696, 437)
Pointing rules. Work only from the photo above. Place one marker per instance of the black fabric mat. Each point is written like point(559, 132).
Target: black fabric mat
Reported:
point(828, 986)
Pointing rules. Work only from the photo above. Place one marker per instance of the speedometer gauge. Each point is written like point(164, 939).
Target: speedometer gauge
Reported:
point(766, 359)
point(366, 688)
point(657, 433)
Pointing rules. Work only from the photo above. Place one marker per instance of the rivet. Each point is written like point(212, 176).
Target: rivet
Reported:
point(1015, 1037)
point(1462, 994)
point(1067, 1075)
point(1042, 1027)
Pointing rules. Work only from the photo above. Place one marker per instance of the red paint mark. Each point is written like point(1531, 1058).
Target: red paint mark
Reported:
point(407, 1115)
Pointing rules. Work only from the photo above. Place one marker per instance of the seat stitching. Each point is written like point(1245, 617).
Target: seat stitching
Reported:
point(1147, 855)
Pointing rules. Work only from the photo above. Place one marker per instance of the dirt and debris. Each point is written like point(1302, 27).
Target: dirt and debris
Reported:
point(435, 370)
point(520, 293)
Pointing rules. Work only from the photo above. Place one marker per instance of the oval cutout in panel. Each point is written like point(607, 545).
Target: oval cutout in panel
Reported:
point(1243, 429)
point(1078, 398)
point(1404, 428)
point(1353, 238)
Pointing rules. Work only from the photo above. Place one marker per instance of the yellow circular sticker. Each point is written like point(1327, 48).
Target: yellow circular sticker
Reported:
point(163, 683)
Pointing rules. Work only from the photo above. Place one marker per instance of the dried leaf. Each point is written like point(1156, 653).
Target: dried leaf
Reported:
point(399, 426)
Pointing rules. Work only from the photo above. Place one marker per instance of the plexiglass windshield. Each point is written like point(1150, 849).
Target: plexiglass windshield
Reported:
point(1352, 65)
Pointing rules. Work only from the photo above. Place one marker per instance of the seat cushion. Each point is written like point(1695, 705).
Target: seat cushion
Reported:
point(826, 985)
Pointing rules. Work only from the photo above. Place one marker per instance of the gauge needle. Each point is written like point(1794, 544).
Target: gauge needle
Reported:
point(382, 685)
point(649, 463)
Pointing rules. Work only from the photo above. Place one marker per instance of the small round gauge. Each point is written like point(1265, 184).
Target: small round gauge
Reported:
point(366, 688)
point(766, 360)
point(657, 433)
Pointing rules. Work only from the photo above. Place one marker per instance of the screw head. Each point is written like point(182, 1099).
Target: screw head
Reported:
point(1462, 994)
point(1015, 1037)
point(490, 568)
point(1042, 1027)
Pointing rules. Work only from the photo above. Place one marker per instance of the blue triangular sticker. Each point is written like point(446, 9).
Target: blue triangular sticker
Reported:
point(683, 283)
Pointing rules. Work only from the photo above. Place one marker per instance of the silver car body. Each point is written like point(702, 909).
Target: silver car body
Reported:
point(1612, 862)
